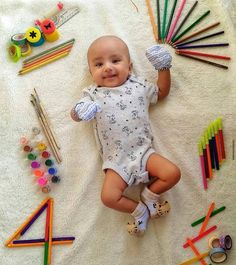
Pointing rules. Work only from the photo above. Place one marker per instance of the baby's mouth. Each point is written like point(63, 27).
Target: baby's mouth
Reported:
point(109, 76)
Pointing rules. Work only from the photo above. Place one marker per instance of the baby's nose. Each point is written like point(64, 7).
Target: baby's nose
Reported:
point(108, 67)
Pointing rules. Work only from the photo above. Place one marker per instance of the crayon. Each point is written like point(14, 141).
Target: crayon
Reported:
point(200, 220)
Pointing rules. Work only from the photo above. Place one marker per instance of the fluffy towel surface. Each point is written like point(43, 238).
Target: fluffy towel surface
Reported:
point(199, 94)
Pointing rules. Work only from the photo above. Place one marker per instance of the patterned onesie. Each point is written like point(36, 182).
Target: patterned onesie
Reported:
point(122, 128)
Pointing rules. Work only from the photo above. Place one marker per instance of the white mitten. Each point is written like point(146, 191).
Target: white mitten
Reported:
point(159, 57)
point(86, 111)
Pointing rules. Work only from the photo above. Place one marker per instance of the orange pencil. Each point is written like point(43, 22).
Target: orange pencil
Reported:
point(18, 231)
point(210, 210)
point(154, 28)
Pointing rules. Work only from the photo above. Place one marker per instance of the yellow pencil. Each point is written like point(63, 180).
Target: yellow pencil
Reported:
point(24, 71)
point(18, 231)
point(154, 28)
point(50, 232)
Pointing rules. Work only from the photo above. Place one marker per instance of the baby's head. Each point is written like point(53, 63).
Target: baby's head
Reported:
point(109, 61)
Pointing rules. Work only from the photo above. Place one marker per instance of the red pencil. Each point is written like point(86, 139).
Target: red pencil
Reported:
point(222, 145)
point(223, 57)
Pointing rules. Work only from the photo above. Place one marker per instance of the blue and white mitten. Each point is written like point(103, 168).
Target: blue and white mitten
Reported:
point(159, 57)
point(86, 110)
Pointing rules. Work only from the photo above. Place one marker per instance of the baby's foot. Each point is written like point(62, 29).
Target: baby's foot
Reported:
point(134, 229)
point(159, 209)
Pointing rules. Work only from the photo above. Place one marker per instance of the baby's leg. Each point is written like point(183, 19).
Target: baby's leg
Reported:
point(112, 196)
point(166, 175)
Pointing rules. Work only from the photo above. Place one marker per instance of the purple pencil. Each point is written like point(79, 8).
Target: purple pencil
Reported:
point(39, 240)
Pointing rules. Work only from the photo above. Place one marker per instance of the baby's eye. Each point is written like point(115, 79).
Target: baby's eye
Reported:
point(116, 60)
point(98, 64)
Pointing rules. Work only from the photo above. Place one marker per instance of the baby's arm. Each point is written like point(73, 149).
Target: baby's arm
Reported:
point(161, 59)
point(85, 110)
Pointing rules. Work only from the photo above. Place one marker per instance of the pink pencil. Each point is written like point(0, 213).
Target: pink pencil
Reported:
point(202, 163)
point(173, 25)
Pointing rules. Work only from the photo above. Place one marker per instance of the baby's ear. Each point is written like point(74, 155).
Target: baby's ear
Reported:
point(130, 68)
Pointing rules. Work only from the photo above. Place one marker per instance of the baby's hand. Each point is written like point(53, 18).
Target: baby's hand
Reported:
point(86, 111)
point(159, 57)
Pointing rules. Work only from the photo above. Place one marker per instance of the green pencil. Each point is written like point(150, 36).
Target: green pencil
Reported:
point(164, 20)
point(158, 20)
point(201, 220)
point(191, 26)
point(170, 19)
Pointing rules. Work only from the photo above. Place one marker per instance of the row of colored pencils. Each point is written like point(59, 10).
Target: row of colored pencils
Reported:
point(47, 128)
point(47, 57)
point(165, 30)
point(47, 241)
point(211, 150)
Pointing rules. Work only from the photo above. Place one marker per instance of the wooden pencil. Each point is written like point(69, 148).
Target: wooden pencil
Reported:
point(203, 61)
point(164, 20)
point(198, 39)
point(196, 22)
point(18, 231)
point(185, 19)
point(197, 33)
point(151, 17)
point(158, 19)
point(176, 19)
point(223, 57)
point(210, 45)
point(170, 18)
point(47, 56)
point(71, 41)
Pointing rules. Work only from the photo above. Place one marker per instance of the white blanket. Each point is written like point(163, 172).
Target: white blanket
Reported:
point(199, 94)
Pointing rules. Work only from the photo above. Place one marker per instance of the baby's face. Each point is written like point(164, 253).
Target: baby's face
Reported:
point(109, 62)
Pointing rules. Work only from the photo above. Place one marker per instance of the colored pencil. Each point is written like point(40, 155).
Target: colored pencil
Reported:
point(18, 231)
point(173, 25)
point(36, 244)
point(211, 148)
point(208, 154)
point(158, 19)
point(33, 219)
point(185, 19)
point(164, 20)
point(200, 150)
point(204, 61)
point(39, 240)
point(197, 33)
point(46, 253)
point(50, 232)
point(205, 157)
point(56, 57)
point(200, 220)
point(198, 237)
point(205, 223)
point(195, 259)
point(216, 144)
point(203, 46)
point(49, 50)
point(202, 38)
point(191, 26)
point(46, 57)
point(196, 252)
point(204, 54)
point(170, 18)
point(217, 136)
point(221, 138)
point(151, 17)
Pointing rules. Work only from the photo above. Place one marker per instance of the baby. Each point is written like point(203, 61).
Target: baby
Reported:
point(118, 104)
